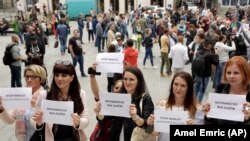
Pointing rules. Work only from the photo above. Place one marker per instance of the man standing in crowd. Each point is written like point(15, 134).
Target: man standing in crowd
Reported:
point(130, 54)
point(15, 67)
point(179, 55)
point(80, 23)
point(164, 53)
point(76, 51)
point(202, 77)
point(99, 34)
point(62, 32)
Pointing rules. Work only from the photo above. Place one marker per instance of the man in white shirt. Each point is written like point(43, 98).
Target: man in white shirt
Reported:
point(179, 55)
point(19, 8)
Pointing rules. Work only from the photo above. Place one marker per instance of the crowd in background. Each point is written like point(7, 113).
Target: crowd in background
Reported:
point(183, 37)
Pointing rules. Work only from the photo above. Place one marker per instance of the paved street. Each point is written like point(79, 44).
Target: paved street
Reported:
point(157, 85)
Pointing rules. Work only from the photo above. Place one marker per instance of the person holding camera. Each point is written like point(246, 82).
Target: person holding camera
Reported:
point(223, 52)
point(34, 49)
point(227, 30)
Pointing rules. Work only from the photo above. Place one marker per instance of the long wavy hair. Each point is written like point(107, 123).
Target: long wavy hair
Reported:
point(189, 102)
point(74, 88)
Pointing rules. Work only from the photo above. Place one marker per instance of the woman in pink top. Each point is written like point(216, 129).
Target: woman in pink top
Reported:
point(65, 87)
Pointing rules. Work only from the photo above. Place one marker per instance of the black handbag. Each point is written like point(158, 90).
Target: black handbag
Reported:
point(56, 44)
point(39, 135)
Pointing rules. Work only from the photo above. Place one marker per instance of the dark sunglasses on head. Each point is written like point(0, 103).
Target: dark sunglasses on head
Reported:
point(63, 62)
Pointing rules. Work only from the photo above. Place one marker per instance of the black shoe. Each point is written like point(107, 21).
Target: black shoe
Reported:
point(83, 75)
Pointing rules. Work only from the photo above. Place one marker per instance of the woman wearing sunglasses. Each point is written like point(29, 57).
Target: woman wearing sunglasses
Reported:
point(65, 87)
point(34, 76)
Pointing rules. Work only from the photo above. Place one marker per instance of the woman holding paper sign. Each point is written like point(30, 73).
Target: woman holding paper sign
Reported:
point(236, 78)
point(35, 76)
point(181, 98)
point(65, 87)
point(134, 84)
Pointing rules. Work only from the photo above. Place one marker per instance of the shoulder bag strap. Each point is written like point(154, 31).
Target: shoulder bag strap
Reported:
point(141, 101)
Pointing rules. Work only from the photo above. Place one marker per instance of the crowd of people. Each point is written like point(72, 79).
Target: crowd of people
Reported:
point(223, 46)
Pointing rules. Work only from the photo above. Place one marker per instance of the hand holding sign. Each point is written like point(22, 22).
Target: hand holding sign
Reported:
point(1, 105)
point(76, 120)
point(151, 119)
point(246, 110)
point(97, 108)
point(38, 117)
point(132, 110)
point(206, 108)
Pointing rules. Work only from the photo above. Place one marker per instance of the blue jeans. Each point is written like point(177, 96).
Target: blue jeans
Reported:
point(63, 42)
point(150, 54)
point(200, 87)
point(98, 42)
point(81, 32)
point(20, 35)
point(15, 76)
point(218, 74)
point(80, 60)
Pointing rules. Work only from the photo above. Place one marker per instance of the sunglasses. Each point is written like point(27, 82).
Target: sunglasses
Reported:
point(66, 63)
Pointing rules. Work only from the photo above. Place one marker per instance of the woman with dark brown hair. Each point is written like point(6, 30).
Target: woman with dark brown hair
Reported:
point(181, 98)
point(134, 85)
point(65, 87)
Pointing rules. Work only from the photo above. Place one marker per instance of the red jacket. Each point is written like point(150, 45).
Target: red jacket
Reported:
point(130, 56)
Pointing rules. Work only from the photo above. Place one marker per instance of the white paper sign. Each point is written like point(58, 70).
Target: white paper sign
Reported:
point(226, 106)
point(16, 97)
point(114, 104)
point(163, 119)
point(109, 62)
point(245, 26)
point(58, 112)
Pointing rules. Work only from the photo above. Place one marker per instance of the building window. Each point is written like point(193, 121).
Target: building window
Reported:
point(225, 2)
point(1, 4)
point(235, 2)
point(243, 2)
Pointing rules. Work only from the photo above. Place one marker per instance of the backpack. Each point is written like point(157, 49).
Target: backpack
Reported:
point(8, 58)
point(199, 64)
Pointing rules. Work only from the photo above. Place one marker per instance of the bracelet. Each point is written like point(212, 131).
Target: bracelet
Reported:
point(39, 127)
point(92, 75)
